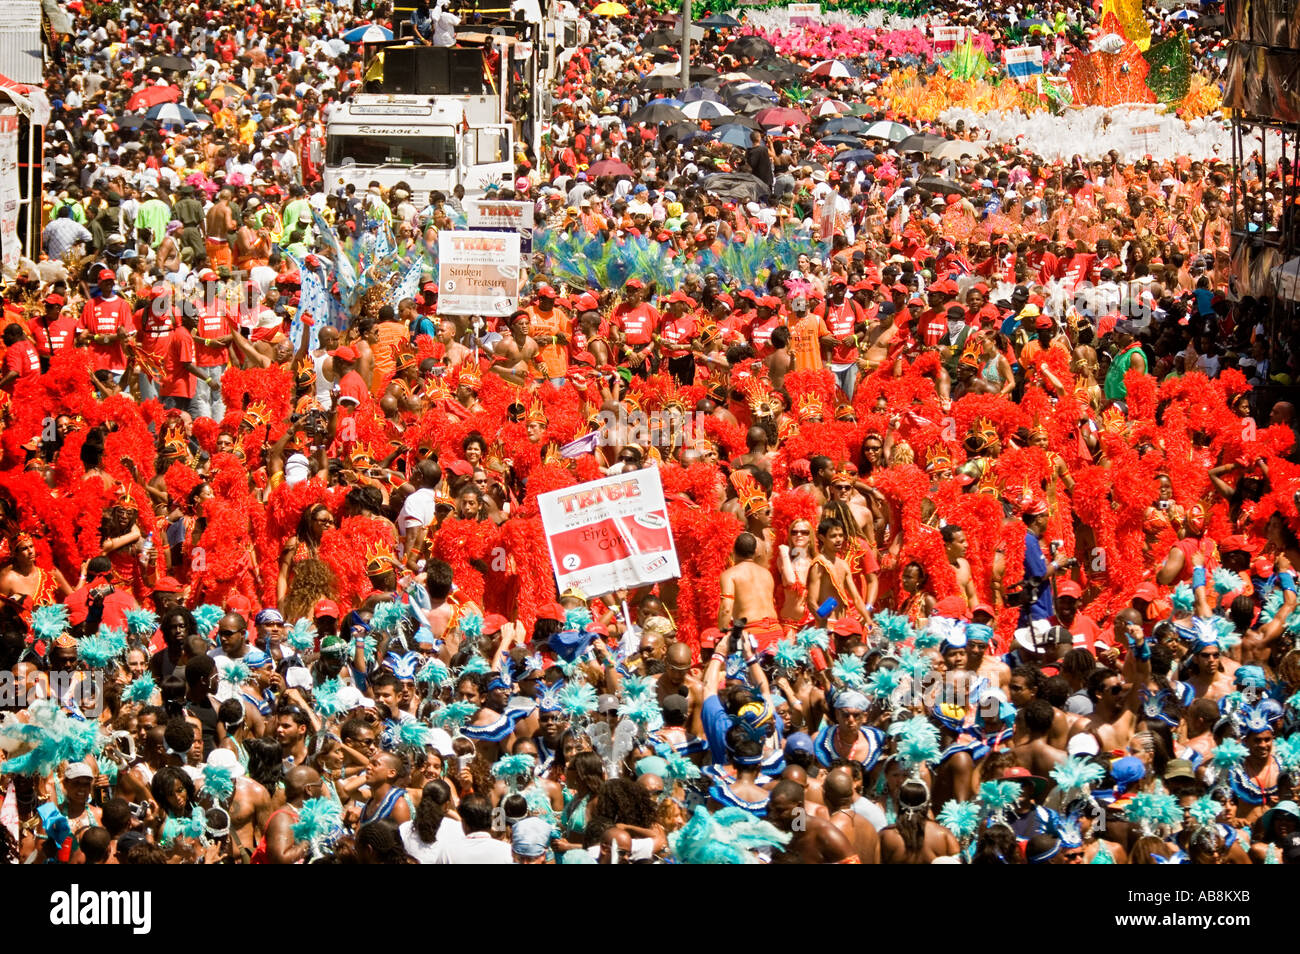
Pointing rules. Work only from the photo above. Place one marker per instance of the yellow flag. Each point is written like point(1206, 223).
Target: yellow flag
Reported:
point(376, 69)
point(1132, 21)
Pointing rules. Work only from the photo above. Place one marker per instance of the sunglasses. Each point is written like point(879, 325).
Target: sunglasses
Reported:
point(1117, 690)
point(1073, 855)
point(800, 533)
point(229, 632)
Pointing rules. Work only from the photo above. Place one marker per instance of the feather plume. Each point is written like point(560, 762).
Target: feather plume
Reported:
point(577, 618)
point(806, 639)
point(850, 670)
point(218, 781)
point(140, 690)
point(638, 687)
point(960, 818)
point(1227, 755)
point(645, 712)
point(1183, 600)
point(414, 735)
point(894, 627)
point(434, 672)
point(578, 700)
point(884, 683)
point(233, 672)
point(680, 768)
point(48, 738)
point(1205, 811)
point(326, 699)
point(514, 769)
point(320, 820)
point(1226, 582)
point(724, 838)
point(50, 622)
point(194, 825)
point(387, 616)
point(474, 666)
point(141, 622)
point(206, 618)
point(997, 798)
point(103, 648)
point(1154, 812)
point(1077, 773)
point(454, 714)
point(790, 655)
point(301, 636)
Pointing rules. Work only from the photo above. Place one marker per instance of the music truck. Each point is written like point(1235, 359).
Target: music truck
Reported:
point(428, 142)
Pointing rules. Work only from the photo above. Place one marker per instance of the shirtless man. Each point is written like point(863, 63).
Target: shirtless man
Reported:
point(749, 593)
point(915, 839)
point(757, 453)
point(1200, 719)
point(954, 545)
point(1037, 754)
point(1208, 671)
point(516, 354)
point(814, 840)
point(279, 847)
point(1115, 715)
point(839, 796)
point(220, 222)
point(980, 662)
point(781, 361)
point(1027, 685)
point(829, 576)
point(880, 337)
point(454, 353)
point(676, 679)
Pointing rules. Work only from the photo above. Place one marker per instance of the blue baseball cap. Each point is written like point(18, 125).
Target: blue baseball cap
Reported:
point(529, 837)
point(799, 742)
point(1127, 771)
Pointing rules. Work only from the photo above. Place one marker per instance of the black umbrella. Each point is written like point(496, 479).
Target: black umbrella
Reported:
point(754, 47)
point(678, 131)
point(663, 81)
point(736, 186)
point(748, 103)
point(841, 140)
point(702, 72)
point(920, 142)
point(656, 114)
point(133, 121)
point(941, 186)
point(168, 62)
point(661, 38)
point(719, 21)
point(777, 67)
point(747, 121)
point(847, 124)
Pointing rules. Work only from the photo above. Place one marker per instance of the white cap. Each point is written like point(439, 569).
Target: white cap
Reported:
point(77, 770)
point(1085, 743)
point(350, 697)
point(297, 677)
point(225, 759)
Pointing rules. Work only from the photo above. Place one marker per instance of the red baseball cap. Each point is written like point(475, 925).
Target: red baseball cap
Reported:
point(983, 608)
point(847, 626)
point(953, 607)
point(710, 637)
point(106, 276)
point(1147, 591)
point(167, 584)
point(345, 353)
point(492, 623)
point(55, 299)
point(553, 611)
point(545, 291)
point(325, 608)
point(1069, 588)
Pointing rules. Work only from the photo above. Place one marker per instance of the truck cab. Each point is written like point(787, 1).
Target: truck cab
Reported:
point(428, 142)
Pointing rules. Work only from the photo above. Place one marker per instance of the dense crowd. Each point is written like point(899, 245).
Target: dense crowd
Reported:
point(979, 465)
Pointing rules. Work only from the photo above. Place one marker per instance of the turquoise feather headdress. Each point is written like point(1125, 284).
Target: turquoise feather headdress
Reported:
point(454, 714)
point(894, 627)
point(195, 825)
point(233, 672)
point(849, 669)
point(1154, 812)
point(474, 666)
point(790, 655)
point(1076, 774)
point(140, 690)
point(916, 743)
point(141, 622)
point(884, 683)
point(49, 738)
point(578, 700)
point(325, 697)
point(218, 781)
point(997, 798)
point(320, 821)
point(638, 687)
point(105, 647)
point(1183, 599)
point(514, 769)
point(1205, 811)
point(50, 622)
point(577, 618)
point(811, 637)
point(726, 838)
point(387, 616)
point(960, 818)
point(206, 618)
point(301, 636)
point(434, 672)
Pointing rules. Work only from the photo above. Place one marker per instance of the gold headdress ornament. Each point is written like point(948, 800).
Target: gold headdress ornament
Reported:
point(1038, 430)
point(675, 401)
point(306, 403)
point(762, 401)
point(23, 539)
point(256, 415)
point(653, 455)
point(174, 446)
point(1113, 420)
point(304, 376)
point(938, 459)
point(845, 412)
point(494, 459)
point(632, 404)
point(970, 353)
point(402, 358)
point(436, 388)
point(811, 407)
point(536, 414)
point(984, 432)
point(748, 491)
point(442, 495)
point(708, 333)
point(361, 457)
point(379, 559)
point(552, 455)
point(787, 429)
point(122, 497)
point(468, 376)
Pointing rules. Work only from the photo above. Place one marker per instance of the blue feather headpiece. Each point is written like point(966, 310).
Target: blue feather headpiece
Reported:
point(387, 616)
point(141, 622)
point(206, 618)
point(434, 672)
point(50, 622)
point(49, 738)
point(140, 690)
point(320, 821)
point(301, 636)
point(105, 647)
point(454, 714)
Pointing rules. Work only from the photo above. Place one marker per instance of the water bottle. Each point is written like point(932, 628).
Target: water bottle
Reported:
point(146, 549)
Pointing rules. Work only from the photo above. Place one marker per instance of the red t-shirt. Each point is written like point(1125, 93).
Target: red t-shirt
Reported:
point(177, 351)
point(677, 334)
point(213, 323)
point(58, 334)
point(1085, 631)
point(103, 316)
point(154, 327)
point(638, 322)
point(352, 389)
point(840, 319)
point(21, 357)
point(762, 334)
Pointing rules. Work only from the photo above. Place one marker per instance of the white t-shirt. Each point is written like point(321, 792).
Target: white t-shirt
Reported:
point(449, 830)
point(477, 848)
point(418, 510)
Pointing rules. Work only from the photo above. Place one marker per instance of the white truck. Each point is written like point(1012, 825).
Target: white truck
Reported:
point(428, 142)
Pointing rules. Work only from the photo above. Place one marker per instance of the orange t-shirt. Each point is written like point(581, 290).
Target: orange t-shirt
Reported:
point(554, 357)
point(805, 340)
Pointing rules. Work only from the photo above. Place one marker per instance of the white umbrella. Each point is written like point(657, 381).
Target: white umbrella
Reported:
point(1286, 279)
point(955, 150)
point(705, 109)
point(888, 131)
point(834, 69)
point(832, 107)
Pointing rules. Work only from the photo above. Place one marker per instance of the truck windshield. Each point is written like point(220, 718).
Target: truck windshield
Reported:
point(371, 150)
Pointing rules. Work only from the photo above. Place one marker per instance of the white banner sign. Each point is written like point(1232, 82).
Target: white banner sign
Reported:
point(478, 273)
point(804, 14)
point(948, 34)
point(610, 534)
point(10, 247)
